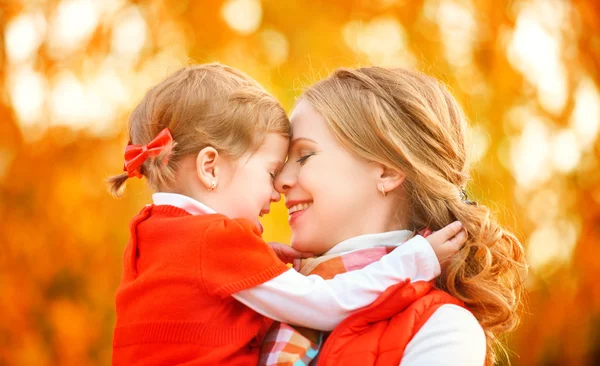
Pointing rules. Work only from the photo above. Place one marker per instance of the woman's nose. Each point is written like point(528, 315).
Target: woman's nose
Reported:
point(285, 179)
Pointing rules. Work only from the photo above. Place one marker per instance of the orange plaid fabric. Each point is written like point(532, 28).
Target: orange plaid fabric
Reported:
point(285, 345)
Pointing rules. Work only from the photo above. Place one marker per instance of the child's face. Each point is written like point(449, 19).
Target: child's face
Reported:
point(249, 191)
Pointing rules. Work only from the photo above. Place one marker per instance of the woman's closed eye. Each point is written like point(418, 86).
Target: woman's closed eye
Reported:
point(303, 158)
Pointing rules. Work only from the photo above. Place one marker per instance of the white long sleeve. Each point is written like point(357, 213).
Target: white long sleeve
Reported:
point(313, 302)
point(322, 304)
point(450, 337)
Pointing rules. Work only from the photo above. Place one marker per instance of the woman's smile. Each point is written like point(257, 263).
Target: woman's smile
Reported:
point(297, 209)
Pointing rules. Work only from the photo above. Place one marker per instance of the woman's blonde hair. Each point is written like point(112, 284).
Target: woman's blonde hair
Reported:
point(202, 105)
point(410, 122)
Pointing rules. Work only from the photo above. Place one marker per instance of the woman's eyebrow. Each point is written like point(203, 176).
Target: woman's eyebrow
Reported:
point(300, 139)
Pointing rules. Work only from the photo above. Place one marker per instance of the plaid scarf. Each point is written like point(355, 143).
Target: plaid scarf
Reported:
point(287, 345)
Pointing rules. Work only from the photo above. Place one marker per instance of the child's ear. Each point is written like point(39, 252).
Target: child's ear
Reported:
point(206, 167)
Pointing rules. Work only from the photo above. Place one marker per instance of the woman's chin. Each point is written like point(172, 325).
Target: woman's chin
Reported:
point(308, 245)
point(300, 246)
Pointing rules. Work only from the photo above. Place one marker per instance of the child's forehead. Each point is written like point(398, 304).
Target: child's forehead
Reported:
point(275, 141)
point(273, 148)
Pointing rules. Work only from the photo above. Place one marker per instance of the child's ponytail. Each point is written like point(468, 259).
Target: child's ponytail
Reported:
point(116, 184)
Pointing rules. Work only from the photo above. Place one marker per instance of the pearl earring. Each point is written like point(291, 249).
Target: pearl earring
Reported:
point(213, 185)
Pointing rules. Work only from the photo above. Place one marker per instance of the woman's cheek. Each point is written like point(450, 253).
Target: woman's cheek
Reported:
point(310, 178)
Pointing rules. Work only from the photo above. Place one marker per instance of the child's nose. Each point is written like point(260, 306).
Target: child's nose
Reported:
point(275, 196)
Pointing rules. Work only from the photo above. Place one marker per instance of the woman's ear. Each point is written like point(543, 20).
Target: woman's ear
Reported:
point(207, 167)
point(389, 179)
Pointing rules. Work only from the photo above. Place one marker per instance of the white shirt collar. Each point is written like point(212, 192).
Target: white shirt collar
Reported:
point(186, 203)
point(390, 238)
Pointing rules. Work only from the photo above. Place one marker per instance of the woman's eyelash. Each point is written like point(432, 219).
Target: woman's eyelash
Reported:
point(303, 159)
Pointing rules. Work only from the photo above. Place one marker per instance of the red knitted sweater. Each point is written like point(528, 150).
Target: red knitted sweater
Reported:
point(174, 304)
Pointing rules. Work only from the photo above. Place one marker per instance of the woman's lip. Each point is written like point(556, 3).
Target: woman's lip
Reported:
point(296, 215)
point(291, 203)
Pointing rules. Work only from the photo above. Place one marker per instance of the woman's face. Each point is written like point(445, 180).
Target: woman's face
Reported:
point(330, 193)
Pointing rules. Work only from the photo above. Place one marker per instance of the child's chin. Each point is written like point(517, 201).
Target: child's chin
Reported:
point(259, 226)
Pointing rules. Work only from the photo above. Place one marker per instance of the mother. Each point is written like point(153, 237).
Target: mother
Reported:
point(382, 151)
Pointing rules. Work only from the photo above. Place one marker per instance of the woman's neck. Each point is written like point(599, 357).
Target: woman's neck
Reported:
point(388, 238)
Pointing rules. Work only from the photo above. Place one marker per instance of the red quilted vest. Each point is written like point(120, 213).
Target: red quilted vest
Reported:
point(379, 333)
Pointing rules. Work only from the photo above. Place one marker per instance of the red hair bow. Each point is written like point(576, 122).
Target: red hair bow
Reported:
point(136, 155)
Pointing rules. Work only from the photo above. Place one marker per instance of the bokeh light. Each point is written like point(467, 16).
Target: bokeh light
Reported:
point(527, 73)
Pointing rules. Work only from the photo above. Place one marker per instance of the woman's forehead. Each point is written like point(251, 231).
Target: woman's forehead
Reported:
point(307, 123)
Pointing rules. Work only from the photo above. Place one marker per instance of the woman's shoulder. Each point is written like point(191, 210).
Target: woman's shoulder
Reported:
point(455, 318)
point(451, 331)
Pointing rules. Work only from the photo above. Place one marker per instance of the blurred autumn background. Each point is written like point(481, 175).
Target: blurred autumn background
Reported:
point(526, 72)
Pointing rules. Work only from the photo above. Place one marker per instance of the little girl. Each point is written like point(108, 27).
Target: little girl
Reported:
point(199, 285)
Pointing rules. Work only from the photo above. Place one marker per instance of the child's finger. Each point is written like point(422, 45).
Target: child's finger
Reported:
point(297, 264)
point(447, 232)
point(458, 240)
point(293, 253)
point(296, 253)
point(306, 254)
point(425, 232)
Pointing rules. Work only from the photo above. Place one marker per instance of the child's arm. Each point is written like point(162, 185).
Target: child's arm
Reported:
point(311, 301)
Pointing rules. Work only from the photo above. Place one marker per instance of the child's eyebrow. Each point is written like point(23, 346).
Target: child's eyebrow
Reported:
point(276, 163)
point(277, 166)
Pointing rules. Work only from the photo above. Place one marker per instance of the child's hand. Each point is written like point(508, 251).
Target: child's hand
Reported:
point(287, 254)
point(447, 241)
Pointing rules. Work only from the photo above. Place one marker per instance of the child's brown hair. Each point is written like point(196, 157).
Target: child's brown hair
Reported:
point(202, 105)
